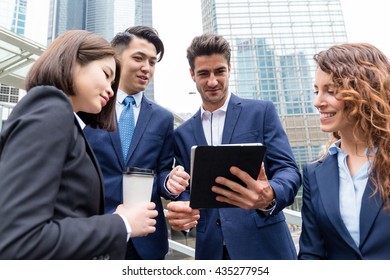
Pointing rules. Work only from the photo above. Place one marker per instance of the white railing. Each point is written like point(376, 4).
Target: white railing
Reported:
point(5, 110)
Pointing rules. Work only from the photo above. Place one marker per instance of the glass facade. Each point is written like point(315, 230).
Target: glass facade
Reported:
point(65, 15)
point(273, 43)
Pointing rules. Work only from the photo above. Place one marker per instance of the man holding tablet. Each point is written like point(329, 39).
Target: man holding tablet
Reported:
point(256, 227)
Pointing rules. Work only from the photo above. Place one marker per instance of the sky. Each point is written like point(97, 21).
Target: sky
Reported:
point(178, 21)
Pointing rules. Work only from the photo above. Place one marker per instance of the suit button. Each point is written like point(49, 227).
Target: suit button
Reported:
point(218, 222)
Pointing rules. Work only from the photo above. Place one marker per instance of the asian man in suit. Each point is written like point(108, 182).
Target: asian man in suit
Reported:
point(139, 49)
point(256, 228)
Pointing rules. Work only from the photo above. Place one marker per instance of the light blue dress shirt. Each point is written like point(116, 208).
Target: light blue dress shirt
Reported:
point(351, 191)
point(136, 107)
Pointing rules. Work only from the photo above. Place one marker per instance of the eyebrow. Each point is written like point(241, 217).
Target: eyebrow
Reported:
point(207, 70)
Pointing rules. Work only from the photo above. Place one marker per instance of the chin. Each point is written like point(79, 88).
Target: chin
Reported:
point(324, 129)
point(96, 110)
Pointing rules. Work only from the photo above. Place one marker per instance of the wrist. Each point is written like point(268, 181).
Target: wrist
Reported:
point(271, 204)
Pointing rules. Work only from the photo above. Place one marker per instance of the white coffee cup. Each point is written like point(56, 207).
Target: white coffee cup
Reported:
point(137, 185)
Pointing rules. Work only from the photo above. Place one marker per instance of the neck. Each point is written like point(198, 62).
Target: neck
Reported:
point(353, 146)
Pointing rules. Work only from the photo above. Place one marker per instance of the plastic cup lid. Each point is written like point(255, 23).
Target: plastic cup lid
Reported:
point(139, 171)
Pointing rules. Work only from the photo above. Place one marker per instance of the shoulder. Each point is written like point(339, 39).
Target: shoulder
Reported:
point(156, 107)
point(46, 96)
point(251, 103)
point(186, 125)
point(315, 163)
point(47, 103)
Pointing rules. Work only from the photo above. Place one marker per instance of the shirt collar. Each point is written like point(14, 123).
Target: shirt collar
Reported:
point(121, 95)
point(335, 148)
point(80, 121)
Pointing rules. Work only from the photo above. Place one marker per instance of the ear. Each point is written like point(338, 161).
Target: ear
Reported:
point(192, 74)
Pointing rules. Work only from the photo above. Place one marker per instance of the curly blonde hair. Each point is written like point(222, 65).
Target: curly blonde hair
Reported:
point(361, 74)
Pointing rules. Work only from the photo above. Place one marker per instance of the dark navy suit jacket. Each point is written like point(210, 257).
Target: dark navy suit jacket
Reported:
point(248, 234)
point(152, 148)
point(324, 235)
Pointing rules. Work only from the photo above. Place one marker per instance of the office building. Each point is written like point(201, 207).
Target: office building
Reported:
point(273, 43)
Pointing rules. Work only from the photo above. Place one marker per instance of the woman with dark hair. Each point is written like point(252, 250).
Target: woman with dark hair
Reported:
point(50, 182)
point(346, 192)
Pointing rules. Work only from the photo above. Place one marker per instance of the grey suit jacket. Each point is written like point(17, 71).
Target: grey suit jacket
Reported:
point(51, 186)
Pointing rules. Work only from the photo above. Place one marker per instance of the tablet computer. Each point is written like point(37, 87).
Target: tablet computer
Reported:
point(209, 162)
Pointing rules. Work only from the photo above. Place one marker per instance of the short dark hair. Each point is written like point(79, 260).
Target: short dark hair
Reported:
point(208, 44)
point(56, 65)
point(122, 40)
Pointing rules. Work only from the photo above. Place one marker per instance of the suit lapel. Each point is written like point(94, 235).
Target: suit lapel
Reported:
point(232, 113)
point(95, 163)
point(116, 143)
point(327, 177)
point(196, 123)
point(144, 116)
point(371, 206)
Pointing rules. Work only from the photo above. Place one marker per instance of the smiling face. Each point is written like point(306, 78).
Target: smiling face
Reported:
point(211, 75)
point(333, 116)
point(92, 84)
point(138, 64)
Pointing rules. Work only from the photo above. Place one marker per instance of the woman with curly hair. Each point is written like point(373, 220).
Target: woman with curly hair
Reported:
point(346, 192)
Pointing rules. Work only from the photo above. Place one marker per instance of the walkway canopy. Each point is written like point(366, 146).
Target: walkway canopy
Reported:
point(17, 54)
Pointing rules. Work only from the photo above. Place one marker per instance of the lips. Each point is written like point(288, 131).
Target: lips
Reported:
point(105, 99)
point(143, 78)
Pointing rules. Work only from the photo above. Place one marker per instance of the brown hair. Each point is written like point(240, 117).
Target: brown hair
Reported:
point(56, 65)
point(361, 73)
point(208, 44)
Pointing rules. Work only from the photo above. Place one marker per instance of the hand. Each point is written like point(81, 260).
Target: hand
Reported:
point(178, 180)
point(257, 195)
point(140, 217)
point(181, 216)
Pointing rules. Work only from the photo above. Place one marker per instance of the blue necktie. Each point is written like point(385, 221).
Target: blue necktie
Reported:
point(126, 125)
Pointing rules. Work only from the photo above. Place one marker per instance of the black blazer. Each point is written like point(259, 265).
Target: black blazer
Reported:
point(51, 186)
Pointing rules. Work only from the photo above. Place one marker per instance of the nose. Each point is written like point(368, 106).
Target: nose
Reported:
point(319, 100)
point(110, 91)
point(212, 81)
point(145, 68)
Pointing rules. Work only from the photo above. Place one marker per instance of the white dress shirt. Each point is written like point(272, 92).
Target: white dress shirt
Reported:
point(136, 107)
point(213, 123)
